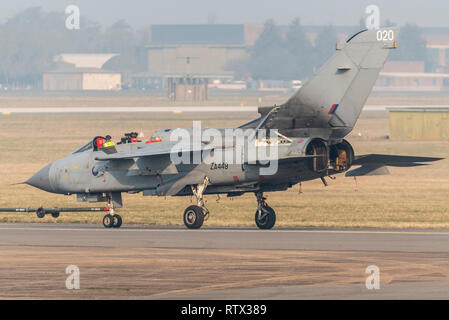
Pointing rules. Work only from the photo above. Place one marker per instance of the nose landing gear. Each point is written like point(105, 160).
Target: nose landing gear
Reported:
point(111, 219)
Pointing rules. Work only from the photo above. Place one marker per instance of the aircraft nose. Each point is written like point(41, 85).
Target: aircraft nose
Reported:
point(41, 179)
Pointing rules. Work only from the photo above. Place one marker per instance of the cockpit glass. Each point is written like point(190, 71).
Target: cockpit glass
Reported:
point(87, 146)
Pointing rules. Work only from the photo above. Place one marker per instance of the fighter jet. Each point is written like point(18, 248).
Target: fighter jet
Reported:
point(299, 140)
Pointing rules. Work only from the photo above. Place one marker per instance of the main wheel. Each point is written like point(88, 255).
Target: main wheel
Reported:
point(55, 214)
point(108, 221)
point(193, 217)
point(267, 219)
point(117, 221)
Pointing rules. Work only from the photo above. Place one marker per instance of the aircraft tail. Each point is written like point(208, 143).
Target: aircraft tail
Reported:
point(334, 97)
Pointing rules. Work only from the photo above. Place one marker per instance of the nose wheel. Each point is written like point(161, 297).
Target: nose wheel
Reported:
point(112, 221)
point(117, 221)
point(108, 221)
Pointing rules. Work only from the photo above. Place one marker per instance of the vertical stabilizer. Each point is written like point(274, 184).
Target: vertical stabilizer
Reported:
point(334, 97)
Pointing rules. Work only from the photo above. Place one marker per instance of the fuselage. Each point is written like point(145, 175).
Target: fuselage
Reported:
point(232, 171)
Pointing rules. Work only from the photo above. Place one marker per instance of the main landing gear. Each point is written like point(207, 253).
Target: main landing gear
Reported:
point(265, 216)
point(194, 216)
point(111, 219)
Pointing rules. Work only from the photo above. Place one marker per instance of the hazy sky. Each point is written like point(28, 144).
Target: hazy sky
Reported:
point(338, 12)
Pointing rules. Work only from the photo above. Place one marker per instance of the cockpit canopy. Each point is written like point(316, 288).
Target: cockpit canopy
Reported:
point(94, 144)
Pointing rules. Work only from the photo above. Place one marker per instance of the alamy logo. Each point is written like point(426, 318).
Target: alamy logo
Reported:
point(72, 22)
point(229, 146)
point(372, 282)
point(372, 21)
point(73, 280)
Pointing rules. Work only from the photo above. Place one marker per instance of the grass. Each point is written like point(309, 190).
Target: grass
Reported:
point(408, 198)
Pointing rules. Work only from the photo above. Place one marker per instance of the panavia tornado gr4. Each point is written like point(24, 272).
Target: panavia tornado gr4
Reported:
point(300, 140)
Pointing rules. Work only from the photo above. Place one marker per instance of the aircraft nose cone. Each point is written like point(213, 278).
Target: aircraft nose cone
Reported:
point(41, 179)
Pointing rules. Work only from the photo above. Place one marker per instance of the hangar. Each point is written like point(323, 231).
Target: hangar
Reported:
point(184, 58)
point(77, 72)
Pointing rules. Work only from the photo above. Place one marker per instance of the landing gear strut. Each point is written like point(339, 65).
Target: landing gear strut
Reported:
point(265, 216)
point(111, 219)
point(194, 216)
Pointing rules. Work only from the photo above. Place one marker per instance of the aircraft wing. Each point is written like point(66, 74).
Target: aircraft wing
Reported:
point(255, 159)
point(154, 150)
point(392, 160)
point(376, 164)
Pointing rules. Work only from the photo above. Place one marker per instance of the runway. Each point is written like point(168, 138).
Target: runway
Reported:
point(226, 238)
point(221, 263)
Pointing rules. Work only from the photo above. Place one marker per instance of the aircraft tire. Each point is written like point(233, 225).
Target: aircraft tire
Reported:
point(268, 221)
point(193, 217)
point(108, 221)
point(55, 214)
point(117, 221)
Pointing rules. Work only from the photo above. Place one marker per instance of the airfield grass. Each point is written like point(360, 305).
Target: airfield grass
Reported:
point(408, 198)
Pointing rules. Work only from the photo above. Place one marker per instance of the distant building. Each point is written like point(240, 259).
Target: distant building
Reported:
point(430, 75)
point(419, 123)
point(438, 48)
point(77, 72)
point(410, 76)
point(185, 58)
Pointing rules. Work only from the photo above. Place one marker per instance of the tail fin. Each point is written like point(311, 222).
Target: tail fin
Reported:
point(335, 96)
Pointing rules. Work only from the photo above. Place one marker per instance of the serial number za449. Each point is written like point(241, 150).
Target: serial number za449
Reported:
point(219, 166)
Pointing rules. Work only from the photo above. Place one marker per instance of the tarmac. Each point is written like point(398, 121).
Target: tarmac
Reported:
point(221, 263)
point(226, 238)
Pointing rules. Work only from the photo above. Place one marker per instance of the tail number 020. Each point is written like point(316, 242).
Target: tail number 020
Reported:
point(385, 35)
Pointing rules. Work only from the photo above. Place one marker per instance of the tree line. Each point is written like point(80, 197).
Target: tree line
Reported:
point(31, 39)
point(289, 56)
